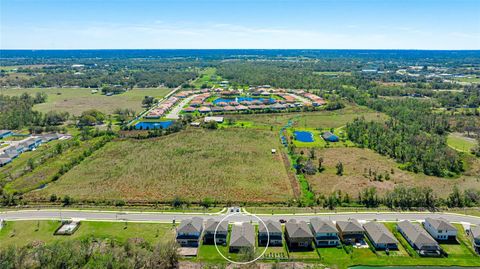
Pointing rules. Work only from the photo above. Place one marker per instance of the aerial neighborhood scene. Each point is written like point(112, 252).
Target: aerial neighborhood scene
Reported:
point(240, 134)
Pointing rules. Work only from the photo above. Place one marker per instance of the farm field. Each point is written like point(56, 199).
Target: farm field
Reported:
point(77, 100)
point(226, 165)
point(357, 162)
point(21, 233)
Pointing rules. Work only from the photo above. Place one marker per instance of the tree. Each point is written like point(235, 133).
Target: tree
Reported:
point(148, 101)
point(339, 167)
point(320, 162)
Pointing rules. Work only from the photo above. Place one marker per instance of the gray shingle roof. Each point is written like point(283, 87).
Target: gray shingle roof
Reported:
point(273, 227)
point(212, 224)
point(416, 234)
point(298, 230)
point(323, 226)
point(243, 235)
point(475, 231)
point(379, 234)
point(350, 226)
point(193, 225)
point(441, 224)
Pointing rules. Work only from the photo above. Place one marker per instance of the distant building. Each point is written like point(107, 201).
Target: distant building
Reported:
point(474, 234)
point(419, 239)
point(4, 161)
point(325, 233)
point(330, 137)
point(351, 231)
point(189, 232)
point(221, 235)
point(216, 119)
point(242, 237)
point(272, 232)
point(380, 236)
point(298, 235)
point(5, 133)
point(440, 229)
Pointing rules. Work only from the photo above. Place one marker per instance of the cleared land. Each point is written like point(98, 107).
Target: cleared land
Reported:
point(22, 233)
point(461, 143)
point(77, 100)
point(357, 162)
point(227, 165)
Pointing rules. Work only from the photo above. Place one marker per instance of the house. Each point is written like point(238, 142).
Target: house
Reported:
point(5, 133)
point(49, 137)
point(419, 239)
point(216, 119)
point(298, 235)
point(350, 232)
point(271, 231)
point(242, 237)
point(328, 136)
point(204, 109)
point(440, 229)
point(31, 143)
point(380, 236)
point(4, 161)
point(474, 234)
point(189, 232)
point(220, 237)
point(325, 232)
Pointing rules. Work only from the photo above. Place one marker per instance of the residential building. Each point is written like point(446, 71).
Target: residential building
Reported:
point(216, 119)
point(5, 133)
point(271, 232)
point(209, 233)
point(189, 232)
point(4, 161)
point(350, 232)
point(242, 237)
point(325, 233)
point(419, 239)
point(474, 234)
point(298, 235)
point(380, 236)
point(440, 229)
point(330, 137)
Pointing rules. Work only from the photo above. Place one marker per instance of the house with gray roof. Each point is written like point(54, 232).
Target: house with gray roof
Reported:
point(242, 237)
point(474, 234)
point(5, 133)
point(189, 232)
point(419, 239)
point(351, 231)
point(380, 236)
point(271, 232)
point(4, 161)
point(209, 234)
point(325, 232)
point(440, 229)
point(298, 235)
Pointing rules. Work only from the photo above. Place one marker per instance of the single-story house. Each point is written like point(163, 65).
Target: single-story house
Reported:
point(380, 236)
point(49, 137)
point(217, 109)
point(242, 237)
point(419, 239)
point(4, 161)
point(189, 109)
point(440, 229)
point(10, 152)
point(298, 235)
point(351, 231)
point(189, 232)
point(204, 109)
point(216, 119)
point(474, 234)
point(325, 232)
point(221, 235)
point(272, 232)
point(5, 133)
point(328, 136)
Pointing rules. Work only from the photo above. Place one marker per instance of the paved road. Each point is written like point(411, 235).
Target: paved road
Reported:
point(169, 217)
point(174, 113)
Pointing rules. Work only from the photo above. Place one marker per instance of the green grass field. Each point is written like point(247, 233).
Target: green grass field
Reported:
point(461, 143)
point(77, 100)
point(319, 142)
point(226, 164)
point(21, 233)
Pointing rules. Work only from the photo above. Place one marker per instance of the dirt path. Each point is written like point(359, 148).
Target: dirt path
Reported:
point(291, 176)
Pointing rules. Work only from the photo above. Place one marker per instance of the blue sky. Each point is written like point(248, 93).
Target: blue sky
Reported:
point(321, 24)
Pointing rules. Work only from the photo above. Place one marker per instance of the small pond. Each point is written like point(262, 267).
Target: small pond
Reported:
point(145, 125)
point(303, 136)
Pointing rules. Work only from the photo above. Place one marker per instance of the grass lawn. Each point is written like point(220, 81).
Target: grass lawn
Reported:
point(77, 100)
point(461, 143)
point(360, 165)
point(206, 78)
point(225, 164)
point(318, 141)
point(21, 233)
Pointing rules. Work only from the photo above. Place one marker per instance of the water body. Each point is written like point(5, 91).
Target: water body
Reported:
point(153, 125)
point(303, 136)
point(241, 99)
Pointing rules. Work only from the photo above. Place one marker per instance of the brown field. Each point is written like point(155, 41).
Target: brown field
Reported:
point(227, 165)
point(357, 162)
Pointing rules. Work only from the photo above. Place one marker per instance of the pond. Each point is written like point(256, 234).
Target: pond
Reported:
point(241, 99)
point(144, 125)
point(303, 136)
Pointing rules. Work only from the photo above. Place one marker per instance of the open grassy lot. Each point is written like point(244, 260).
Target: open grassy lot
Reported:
point(227, 165)
point(206, 78)
point(461, 143)
point(77, 100)
point(319, 142)
point(358, 163)
point(21, 233)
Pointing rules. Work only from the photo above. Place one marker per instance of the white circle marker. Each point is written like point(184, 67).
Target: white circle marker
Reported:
point(235, 262)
